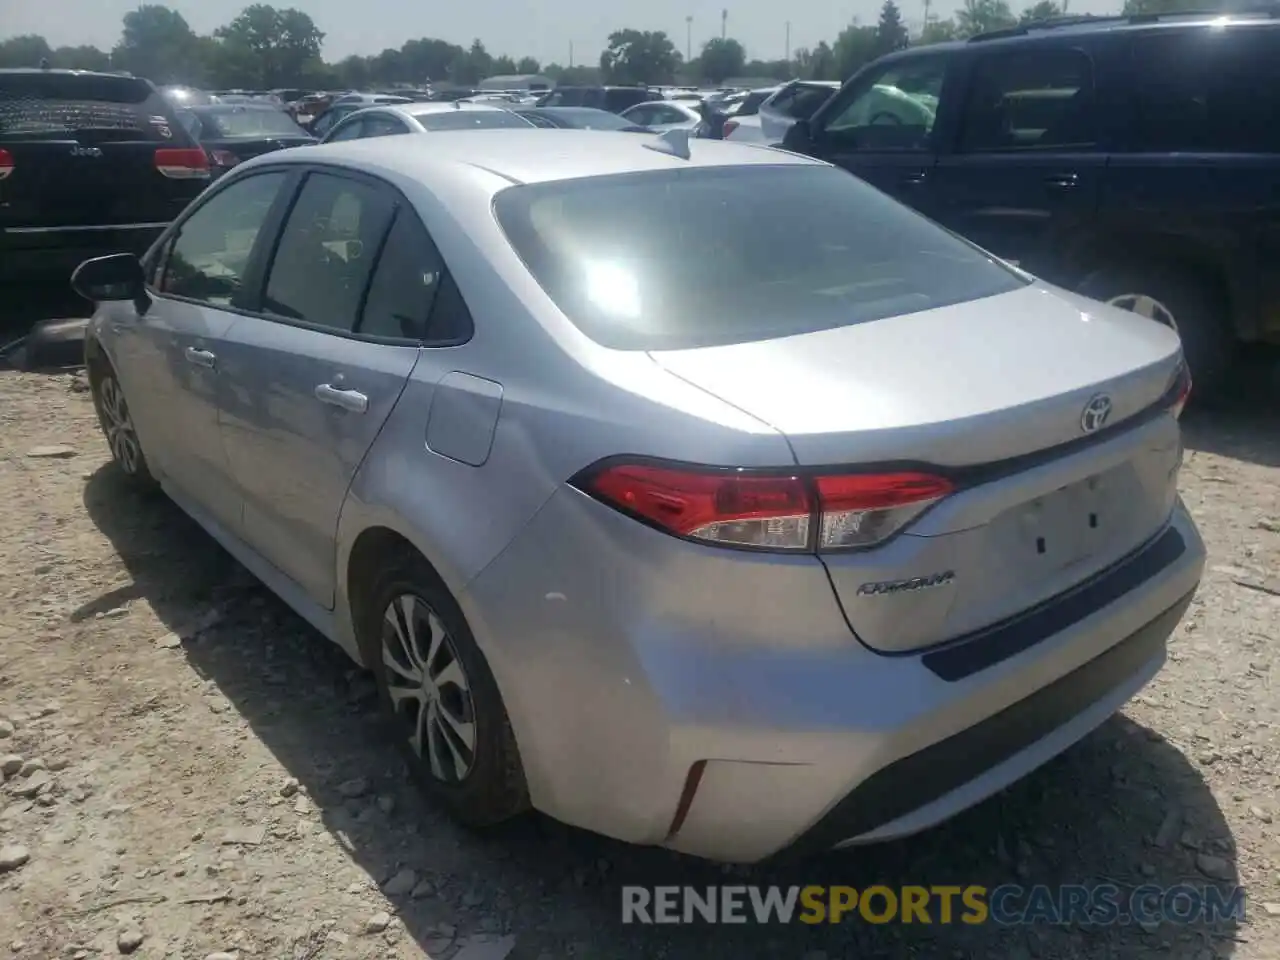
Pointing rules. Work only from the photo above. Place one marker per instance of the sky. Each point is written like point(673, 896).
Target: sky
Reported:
point(541, 28)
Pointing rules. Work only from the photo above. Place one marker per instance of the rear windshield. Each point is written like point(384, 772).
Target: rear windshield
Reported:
point(250, 123)
point(713, 256)
point(471, 120)
point(53, 105)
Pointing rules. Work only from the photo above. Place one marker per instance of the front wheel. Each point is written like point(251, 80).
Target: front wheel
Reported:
point(441, 698)
point(1180, 300)
point(117, 425)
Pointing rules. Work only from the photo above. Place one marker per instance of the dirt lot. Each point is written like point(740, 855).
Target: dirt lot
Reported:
point(210, 776)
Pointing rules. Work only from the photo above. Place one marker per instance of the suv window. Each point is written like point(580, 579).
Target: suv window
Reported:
point(405, 283)
point(893, 108)
point(53, 105)
point(326, 250)
point(1208, 90)
point(618, 99)
point(1029, 99)
point(210, 255)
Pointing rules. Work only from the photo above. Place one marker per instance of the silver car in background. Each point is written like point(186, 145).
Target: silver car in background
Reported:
point(390, 121)
point(695, 494)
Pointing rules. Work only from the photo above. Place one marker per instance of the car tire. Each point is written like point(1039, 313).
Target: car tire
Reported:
point(1189, 304)
point(117, 426)
point(413, 630)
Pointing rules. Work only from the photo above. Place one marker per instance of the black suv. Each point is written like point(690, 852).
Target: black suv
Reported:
point(1133, 159)
point(90, 164)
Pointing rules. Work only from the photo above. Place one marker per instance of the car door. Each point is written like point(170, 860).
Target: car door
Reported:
point(881, 126)
point(309, 383)
point(168, 357)
point(1028, 158)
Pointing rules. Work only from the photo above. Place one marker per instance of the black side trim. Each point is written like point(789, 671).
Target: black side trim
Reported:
point(984, 648)
point(914, 781)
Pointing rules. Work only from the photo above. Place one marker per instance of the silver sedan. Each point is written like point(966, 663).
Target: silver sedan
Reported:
point(390, 120)
point(696, 534)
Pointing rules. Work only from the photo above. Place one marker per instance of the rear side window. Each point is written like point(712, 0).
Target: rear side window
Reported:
point(1033, 99)
point(1207, 90)
point(103, 108)
point(326, 251)
point(405, 284)
point(701, 257)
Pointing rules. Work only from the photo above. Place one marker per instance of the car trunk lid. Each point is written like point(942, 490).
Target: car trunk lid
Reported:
point(1047, 494)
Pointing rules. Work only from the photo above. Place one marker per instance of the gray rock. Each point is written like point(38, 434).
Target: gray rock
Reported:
point(54, 451)
point(484, 947)
point(355, 787)
point(1216, 868)
point(423, 888)
point(403, 882)
point(130, 939)
point(1260, 814)
point(6, 729)
point(31, 766)
point(32, 786)
point(289, 787)
point(221, 956)
point(386, 803)
point(12, 857)
point(10, 764)
point(378, 922)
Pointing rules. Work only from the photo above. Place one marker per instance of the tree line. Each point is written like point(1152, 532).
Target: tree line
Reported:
point(268, 48)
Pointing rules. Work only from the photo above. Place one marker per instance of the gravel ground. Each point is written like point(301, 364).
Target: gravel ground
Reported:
point(200, 774)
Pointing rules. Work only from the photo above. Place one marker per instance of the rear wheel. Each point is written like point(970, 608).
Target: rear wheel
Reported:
point(1179, 299)
point(440, 696)
point(117, 425)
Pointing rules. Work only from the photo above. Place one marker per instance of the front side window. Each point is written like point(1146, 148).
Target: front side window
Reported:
point(351, 130)
point(704, 257)
point(209, 258)
point(895, 109)
point(1214, 90)
point(1031, 100)
point(326, 251)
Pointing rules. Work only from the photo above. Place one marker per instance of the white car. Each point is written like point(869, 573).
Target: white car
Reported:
point(797, 100)
point(660, 115)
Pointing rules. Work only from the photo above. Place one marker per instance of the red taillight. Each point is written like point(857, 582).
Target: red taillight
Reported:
point(729, 127)
point(6, 163)
point(224, 158)
point(1183, 388)
point(182, 163)
point(767, 511)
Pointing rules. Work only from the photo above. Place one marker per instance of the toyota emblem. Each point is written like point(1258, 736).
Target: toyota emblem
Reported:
point(1096, 413)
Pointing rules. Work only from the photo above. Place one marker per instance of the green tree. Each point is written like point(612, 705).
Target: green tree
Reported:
point(639, 56)
point(503, 66)
point(159, 44)
point(1174, 6)
point(1042, 10)
point(80, 58)
point(276, 46)
point(938, 31)
point(527, 65)
point(982, 16)
point(578, 76)
point(721, 58)
point(24, 51)
point(854, 49)
point(891, 32)
point(818, 63)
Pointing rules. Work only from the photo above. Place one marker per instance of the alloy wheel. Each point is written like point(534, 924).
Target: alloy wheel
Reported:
point(429, 688)
point(1145, 306)
point(118, 426)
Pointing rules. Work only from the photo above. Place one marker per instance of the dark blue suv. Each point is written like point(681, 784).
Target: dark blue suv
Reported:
point(1135, 159)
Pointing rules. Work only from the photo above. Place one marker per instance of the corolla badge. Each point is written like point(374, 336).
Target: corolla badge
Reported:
point(1096, 413)
point(909, 585)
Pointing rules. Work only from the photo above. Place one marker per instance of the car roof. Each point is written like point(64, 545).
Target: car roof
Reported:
point(537, 156)
point(437, 106)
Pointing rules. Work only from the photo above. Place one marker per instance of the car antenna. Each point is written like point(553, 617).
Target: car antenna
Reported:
point(673, 142)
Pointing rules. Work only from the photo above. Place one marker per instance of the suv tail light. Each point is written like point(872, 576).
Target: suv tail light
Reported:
point(766, 511)
point(728, 128)
point(1180, 390)
point(182, 163)
point(6, 163)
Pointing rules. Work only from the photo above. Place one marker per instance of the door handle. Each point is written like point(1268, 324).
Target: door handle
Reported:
point(201, 358)
point(351, 400)
point(1062, 181)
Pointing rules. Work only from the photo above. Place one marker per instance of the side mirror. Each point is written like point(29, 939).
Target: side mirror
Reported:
point(116, 277)
point(799, 137)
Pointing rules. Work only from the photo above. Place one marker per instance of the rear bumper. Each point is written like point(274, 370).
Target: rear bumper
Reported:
point(715, 703)
point(51, 255)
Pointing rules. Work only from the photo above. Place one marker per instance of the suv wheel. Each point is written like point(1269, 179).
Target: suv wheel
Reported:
point(442, 700)
point(117, 425)
point(1192, 307)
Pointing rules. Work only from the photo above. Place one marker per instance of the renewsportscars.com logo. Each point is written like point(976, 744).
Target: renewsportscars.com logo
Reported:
point(1012, 904)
